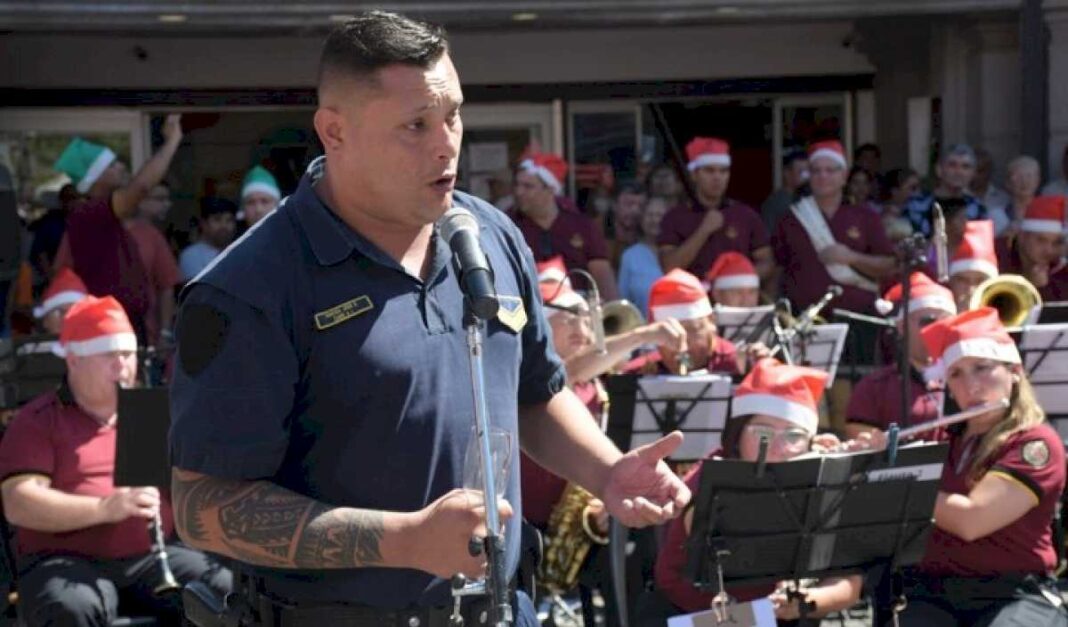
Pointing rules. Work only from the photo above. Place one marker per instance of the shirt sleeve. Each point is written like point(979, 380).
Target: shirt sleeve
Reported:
point(596, 246)
point(1034, 460)
point(669, 235)
point(758, 233)
point(233, 389)
point(164, 269)
point(26, 447)
point(541, 373)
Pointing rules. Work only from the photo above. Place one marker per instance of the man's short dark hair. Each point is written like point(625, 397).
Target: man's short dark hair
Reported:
point(863, 148)
point(376, 39)
point(793, 155)
point(630, 187)
point(212, 205)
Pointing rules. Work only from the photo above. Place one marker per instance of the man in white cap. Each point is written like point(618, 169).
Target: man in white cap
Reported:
point(103, 253)
point(82, 544)
point(259, 195)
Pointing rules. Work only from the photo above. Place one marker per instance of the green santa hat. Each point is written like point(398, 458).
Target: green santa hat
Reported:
point(84, 162)
point(260, 180)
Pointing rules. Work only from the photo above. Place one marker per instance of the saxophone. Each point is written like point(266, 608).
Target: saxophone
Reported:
point(569, 536)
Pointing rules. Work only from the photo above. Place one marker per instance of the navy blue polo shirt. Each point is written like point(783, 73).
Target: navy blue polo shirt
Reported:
point(344, 378)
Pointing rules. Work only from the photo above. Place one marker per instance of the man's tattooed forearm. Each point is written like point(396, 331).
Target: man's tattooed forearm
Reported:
point(265, 524)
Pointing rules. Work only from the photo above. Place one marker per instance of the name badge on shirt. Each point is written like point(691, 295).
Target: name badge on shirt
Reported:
point(511, 312)
point(345, 311)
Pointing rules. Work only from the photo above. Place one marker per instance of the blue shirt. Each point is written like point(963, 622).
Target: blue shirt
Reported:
point(366, 405)
point(639, 268)
point(195, 258)
point(918, 211)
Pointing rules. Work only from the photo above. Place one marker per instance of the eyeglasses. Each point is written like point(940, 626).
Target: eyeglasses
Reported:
point(792, 439)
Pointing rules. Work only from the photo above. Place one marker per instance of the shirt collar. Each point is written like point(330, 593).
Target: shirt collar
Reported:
point(332, 240)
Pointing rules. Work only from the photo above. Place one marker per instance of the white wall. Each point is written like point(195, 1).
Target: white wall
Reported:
point(604, 55)
point(1058, 86)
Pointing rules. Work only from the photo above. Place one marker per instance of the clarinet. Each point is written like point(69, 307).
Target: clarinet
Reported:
point(166, 584)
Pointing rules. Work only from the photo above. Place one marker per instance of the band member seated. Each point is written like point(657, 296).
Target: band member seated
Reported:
point(990, 557)
point(733, 281)
point(82, 545)
point(777, 402)
point(692, 236)
point(974, 261)
point(65, 289)
point(1036, 249)
point(875, 402)
point(679, 295)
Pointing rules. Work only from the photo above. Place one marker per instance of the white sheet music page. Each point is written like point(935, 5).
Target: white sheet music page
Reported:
point(758, 613)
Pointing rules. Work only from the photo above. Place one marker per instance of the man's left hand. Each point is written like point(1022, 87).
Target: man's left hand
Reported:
point(642, 490)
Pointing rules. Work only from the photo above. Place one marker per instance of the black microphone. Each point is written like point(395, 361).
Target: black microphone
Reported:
point(460, 230)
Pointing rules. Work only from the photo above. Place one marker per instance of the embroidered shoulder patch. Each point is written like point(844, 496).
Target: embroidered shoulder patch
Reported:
point(512, 313)
point(1036, 453)
point(345, 311)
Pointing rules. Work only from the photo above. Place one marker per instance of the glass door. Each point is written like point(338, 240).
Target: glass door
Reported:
point(495, 136)
point(800, 120)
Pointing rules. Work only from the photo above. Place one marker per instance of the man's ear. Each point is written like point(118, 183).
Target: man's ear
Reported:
point(330, 126)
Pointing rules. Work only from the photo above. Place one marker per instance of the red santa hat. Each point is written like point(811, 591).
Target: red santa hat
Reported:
point(679, 295)
point(549, 168)
point(66, 288)
point(974, 333)
point(702, 151)
point(791, 393)
point(732, 270)
point(96, 325)
point(555, 286)
point(1045, 214)
point(923, 294)
point(976, 250)
point(831, 149)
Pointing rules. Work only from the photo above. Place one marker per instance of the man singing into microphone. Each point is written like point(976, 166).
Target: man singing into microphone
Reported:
point(322, 399)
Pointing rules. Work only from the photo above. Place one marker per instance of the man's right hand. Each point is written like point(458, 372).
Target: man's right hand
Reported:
point(443, 533)
point(667, 333)
point(126, 502)
point(172, 128)
point(712, 222)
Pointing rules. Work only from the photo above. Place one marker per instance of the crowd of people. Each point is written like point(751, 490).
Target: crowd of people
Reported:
point(288, 337)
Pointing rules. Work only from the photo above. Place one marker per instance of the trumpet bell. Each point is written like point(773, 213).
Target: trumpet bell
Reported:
point(1011, 294)
point(620, 316)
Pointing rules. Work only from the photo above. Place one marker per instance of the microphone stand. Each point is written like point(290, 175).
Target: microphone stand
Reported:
point(495, 585)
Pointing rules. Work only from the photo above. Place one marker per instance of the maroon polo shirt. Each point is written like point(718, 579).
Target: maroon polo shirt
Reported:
point(1034, 460)
point(805, 278)
point(540, 488)
point(571, 235)
point(105, 256)
point(743, 231)
point(671, 563)
point(1009, 262)
point(876, 401)
point(52, 436)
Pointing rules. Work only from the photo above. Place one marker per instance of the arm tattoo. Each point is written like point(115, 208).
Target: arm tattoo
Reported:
point(262, 523)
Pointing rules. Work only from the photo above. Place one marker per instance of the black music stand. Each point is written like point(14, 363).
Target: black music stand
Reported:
point(817, 516)
point(644, 409)
point(1044, 351)
point(29, 368)
point(141, 454)
point(738, 323)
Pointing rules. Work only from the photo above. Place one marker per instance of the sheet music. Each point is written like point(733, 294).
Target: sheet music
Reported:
point(756, 613)
point(736, 323)
point(695, 404)
point(1044, 350)
point(823, 350)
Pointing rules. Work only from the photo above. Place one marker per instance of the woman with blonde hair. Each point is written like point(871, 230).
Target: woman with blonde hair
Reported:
point(991, 556)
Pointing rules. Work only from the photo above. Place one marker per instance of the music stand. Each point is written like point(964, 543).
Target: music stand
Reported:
point(141, 454)
point(821, 348)
point(817, 516)
point(1044, 351)
point(1052, 313)
point(738, 323)
point(644, 409)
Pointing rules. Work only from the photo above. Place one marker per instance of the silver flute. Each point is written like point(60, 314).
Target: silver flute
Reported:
point(953, 419)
